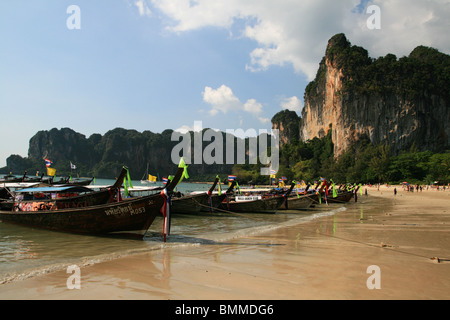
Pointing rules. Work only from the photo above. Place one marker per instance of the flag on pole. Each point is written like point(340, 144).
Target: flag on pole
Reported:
point(51, 172)
point(165, 180)
point(72, 166)
point(48, 163)
point(220, 188)
point(334, 191)
point(183, 165)
point(232, 178)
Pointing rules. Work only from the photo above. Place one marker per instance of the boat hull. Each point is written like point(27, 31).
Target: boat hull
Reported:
point(190, 204)
point(341, 197)
point(131, 217)
point(268, 205)
point(299, 203)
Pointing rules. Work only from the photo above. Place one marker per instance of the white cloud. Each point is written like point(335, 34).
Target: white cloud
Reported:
point(143, 8)
point(289, 32)
point(405, 24)
point(184, 129)
point(253, 106)
point(223, 100)
point(292, 103)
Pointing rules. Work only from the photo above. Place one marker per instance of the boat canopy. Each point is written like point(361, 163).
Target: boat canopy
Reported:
point(55, 189)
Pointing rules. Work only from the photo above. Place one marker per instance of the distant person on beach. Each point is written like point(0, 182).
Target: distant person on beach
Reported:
point(395, 191)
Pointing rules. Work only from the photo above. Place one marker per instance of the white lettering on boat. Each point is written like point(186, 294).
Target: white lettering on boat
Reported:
point(125, 210)
point(248, 198)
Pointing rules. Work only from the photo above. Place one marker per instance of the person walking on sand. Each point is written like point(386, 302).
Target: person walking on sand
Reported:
point(395, 191)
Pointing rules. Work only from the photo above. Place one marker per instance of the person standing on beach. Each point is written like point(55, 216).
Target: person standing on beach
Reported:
point(395, 191)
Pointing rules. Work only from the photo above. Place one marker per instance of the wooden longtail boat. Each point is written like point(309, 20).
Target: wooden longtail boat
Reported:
point(61, 197)
point(10, 178)
point(266, 205)
point(78, 182)
point(216, 199)
point(300, 202)
point(255, 204)
point(342, 197)
point(130, 217)
point(192, 203)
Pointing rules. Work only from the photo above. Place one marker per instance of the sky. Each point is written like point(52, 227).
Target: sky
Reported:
point(164, 64)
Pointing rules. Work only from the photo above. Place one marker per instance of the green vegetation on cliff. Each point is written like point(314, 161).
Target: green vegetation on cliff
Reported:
point(363, 162)
point(426, 71)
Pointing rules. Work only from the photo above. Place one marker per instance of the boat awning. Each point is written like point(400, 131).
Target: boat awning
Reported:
point(55, 189)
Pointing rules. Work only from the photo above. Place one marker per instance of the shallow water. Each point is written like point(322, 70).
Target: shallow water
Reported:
point(26, 252)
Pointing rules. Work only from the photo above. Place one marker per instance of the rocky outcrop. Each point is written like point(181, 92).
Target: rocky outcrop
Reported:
point(401, 102)
point(62, 144)
point(103, 156)
point(287, 122)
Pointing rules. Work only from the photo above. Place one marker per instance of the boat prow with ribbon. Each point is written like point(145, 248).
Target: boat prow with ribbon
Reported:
point(193, 203)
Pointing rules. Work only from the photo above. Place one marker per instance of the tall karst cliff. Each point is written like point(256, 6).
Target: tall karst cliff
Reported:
point(400, 102)
point(287, 122)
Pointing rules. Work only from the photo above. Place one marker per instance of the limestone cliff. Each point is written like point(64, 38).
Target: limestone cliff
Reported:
point(401, 102)
point(287, 122)
point(103, 156)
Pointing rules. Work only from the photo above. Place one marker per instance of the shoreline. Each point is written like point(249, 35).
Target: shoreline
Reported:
point(332, 257)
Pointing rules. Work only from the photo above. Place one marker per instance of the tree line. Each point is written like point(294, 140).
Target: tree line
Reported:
point(363, 162)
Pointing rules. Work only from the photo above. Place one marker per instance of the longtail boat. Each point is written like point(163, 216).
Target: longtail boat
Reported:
point(130, 217)
point(192, 203)
point(11, 178)
point(300, 202)
point(263, 203)
point(77, 181)
point(61, 197)
point(341, 197)
point(216, 199)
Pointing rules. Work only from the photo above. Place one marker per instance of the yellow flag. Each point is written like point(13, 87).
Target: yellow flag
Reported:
point(151, 178)
point(51, 172)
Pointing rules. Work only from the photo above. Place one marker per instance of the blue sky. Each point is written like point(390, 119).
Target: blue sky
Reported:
point(163, 64)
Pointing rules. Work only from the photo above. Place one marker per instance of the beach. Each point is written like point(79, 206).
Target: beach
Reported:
point(379, 251)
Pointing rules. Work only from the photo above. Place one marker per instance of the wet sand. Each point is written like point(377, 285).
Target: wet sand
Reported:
point(327, 258)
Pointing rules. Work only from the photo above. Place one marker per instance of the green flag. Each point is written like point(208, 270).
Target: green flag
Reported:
point(127, 183)
point(129, 179)
point(237, 187)
point(125, 186)
point(220, 188)
point(184, 166)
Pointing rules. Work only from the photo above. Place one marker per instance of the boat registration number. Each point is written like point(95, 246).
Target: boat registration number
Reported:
point(248, 198)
